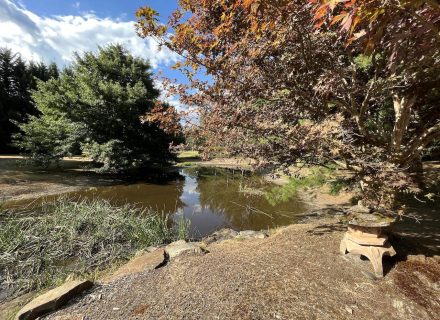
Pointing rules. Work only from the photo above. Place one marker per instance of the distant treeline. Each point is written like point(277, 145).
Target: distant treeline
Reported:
point(17, 80)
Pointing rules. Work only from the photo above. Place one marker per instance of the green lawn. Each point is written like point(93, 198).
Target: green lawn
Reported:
point(184, 155)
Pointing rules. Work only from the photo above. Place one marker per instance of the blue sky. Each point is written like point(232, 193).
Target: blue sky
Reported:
point(51, 30)
point(115, 9)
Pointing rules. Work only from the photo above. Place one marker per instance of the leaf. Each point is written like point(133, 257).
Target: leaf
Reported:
point(338, 18)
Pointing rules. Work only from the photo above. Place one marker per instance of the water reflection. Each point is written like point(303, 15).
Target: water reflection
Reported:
point(211, 198)
point(235, 198)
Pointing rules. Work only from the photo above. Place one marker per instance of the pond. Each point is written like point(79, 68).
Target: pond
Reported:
point(210, 198)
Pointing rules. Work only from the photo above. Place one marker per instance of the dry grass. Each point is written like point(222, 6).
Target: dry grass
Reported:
point(420, 281)
point(69, 237)
point(297, 273)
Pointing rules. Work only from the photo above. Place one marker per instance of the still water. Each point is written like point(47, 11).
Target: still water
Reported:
point(210, 198)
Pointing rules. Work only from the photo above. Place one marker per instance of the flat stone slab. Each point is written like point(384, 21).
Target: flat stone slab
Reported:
point(53, 299)
point(370, 241)
point(374, 232)
point(176, 248)
point(371, 220)
point(146, 261)
point(220, 235)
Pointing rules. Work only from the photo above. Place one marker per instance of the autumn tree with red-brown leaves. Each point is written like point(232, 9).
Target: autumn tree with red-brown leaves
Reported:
point(350, 82)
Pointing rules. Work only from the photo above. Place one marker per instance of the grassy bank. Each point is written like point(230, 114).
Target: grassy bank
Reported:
point(314, 177)
point(73, 238)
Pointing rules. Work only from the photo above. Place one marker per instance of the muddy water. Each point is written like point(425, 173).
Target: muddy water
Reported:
point(210, 198)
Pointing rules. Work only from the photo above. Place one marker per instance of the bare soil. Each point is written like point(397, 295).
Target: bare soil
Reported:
point(19, 181)
point(296, 273)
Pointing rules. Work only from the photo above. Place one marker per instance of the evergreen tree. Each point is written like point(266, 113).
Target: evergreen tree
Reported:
point(99, 104)
point(17, 79)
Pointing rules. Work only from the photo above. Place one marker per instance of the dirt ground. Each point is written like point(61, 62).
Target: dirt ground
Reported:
point(19, 181)
point(296, 273)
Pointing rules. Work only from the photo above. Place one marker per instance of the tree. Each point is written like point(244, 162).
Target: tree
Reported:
point(285, 86)
point(17, 79)
point(101, 105)
point(402, 40)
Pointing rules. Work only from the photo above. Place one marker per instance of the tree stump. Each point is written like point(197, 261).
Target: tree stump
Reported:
point(366, 236)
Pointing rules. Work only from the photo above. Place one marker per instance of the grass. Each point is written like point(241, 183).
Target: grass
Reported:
point(317, 178)
point(336, 186)
point(181, 228)
point(191, 154)
point(73, 238)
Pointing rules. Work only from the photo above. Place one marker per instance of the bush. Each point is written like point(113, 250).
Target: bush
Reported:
point(98, 106)
point(48, 140)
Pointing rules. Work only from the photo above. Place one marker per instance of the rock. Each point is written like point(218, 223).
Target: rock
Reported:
point(359, 208)
point(176, 248)
point(349, 310)
point(247, 234)
point(220, 235)
point(52, 299)
point(142, 262)
point(416, 258)
point(152, 248)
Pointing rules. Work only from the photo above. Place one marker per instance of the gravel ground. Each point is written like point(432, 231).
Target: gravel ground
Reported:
point(296, 273)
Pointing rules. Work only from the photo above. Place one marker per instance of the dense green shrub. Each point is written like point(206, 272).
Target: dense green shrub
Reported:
point(97, 106)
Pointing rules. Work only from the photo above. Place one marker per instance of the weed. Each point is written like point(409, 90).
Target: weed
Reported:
point(336, 186)
point(182, 228)
point(72, 238)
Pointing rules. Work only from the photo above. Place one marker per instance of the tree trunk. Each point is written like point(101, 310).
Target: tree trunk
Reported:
point(402, 113)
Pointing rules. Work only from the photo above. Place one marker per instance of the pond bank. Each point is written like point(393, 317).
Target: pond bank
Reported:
point(18, 181)
point(296, 273)
point(74, 239)
point(304, 249)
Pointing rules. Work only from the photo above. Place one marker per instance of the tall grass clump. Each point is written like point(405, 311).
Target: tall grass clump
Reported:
point(182, 228)
point(72, 238)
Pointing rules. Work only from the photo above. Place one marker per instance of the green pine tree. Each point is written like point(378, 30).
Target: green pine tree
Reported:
point(96, 106)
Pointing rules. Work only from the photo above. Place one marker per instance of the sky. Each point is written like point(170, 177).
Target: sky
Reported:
point(51, 30)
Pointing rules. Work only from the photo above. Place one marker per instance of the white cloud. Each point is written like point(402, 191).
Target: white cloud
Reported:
point(55, 38)
point(171, 99)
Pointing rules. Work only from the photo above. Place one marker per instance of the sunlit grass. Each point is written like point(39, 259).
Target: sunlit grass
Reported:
point(191, 154)
point(74, 238)
point(316, 178)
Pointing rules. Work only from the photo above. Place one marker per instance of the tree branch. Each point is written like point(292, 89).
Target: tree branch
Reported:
point(418, 144)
